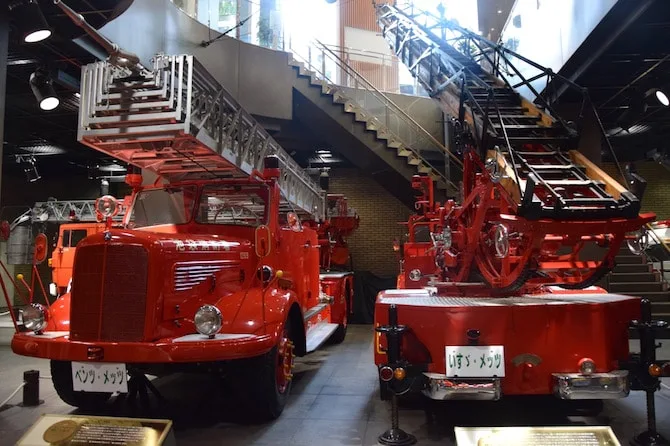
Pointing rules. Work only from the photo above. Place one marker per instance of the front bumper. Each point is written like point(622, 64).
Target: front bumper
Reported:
point(600, 386)
point(440, 387)
point(190, 348)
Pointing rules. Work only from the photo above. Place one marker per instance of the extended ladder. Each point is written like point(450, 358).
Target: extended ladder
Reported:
point(531, 146)
point(179, 122)
point(56, 211)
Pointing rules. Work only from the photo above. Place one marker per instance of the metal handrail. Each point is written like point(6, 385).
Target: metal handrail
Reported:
point(389, 105)
point(660, 241)
point(388, 102)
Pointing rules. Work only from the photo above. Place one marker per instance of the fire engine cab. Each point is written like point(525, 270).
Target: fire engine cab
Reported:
point(215, 265)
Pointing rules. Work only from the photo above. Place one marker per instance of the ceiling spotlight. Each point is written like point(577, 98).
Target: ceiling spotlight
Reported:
point(660, 96)
point(500, 11)
point(31, 23)
point(43, 89)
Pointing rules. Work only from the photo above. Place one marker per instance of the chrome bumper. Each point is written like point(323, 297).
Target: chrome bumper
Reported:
point(599, 386)
point(440, 387)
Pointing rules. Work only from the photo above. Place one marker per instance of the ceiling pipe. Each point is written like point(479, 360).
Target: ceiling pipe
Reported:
point(117, 55)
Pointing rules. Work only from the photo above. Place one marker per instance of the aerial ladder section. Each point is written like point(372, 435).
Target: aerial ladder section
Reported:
point(474, 80)
point(176, 120)
point(530, 202)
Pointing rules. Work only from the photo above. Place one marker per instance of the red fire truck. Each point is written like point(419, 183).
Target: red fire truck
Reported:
point(495, 294)
point(212, 269)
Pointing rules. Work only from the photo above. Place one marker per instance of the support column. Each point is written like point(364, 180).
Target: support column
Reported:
point(4, 49)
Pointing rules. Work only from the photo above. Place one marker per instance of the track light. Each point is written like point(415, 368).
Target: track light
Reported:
point(655, 95)
point(43, 89)
point(31, 23)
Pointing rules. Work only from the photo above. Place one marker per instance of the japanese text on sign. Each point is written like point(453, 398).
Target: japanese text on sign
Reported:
point(99, 377)
point(475, 361)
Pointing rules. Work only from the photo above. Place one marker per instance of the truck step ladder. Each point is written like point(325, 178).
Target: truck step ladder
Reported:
point(179, 122)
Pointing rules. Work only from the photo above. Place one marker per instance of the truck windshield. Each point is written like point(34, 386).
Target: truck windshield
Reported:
point(224, 204)
point(170, 205)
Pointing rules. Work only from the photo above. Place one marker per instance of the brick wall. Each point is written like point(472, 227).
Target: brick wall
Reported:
point(657, 194)
point(380, 214)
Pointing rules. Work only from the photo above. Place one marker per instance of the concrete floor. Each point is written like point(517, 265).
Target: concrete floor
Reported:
point(334, 401)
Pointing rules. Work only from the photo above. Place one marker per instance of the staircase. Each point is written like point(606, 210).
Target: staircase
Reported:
point(361, 133)
point(635, 275)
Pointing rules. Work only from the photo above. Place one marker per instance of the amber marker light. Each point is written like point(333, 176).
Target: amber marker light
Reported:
point(655, 370)
point(399, 374)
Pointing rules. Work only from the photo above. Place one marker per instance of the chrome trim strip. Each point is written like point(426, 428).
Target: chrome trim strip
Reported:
point(601, 386)
point(441, 387)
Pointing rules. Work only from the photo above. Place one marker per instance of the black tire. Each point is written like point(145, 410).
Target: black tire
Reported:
point(341, 331)
point(258, 375)
point(61, 376)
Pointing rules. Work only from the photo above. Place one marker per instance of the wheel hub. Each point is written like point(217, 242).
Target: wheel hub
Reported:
point(285, 363)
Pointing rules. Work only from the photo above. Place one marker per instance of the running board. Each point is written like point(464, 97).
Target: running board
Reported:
point(318, 334)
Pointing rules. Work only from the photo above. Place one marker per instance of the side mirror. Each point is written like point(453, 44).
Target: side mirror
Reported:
point(262, 241)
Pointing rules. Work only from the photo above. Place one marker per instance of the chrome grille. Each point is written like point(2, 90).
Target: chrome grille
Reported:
point(109, 293)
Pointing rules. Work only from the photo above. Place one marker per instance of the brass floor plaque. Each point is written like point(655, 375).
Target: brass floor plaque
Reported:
point(536, 436)
point(75, 430)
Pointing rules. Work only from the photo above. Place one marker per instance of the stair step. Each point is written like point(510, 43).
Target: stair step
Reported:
point(653, 296)
point(647, 276)
point(636, 287)
point(538, 140)
point(661, 308)
point(531, 118)
point(630, 260)
point(516, 109)
point(632, 268)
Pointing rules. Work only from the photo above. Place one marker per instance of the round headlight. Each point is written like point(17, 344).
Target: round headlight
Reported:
point(587, 366)
point(208, 320)
point(501, 241)
point(107, 206)
point(34, 317)
point(415, 275)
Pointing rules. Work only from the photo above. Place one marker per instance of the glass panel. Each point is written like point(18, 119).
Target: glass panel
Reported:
point(233, 205)
point(76, 236)
point(171, 205)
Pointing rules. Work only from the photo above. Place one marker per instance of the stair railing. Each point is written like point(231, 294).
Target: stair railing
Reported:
point(496, 59)
point(383, 110)
point(660, 241)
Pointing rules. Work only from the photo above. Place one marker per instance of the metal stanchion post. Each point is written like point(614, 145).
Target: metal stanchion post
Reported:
point(31, 388)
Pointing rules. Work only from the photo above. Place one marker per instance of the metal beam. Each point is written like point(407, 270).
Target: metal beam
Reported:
point(631, 18)
point(4, 52)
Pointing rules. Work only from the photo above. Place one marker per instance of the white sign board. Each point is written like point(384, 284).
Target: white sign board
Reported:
point(475, 361)
point(99, 377)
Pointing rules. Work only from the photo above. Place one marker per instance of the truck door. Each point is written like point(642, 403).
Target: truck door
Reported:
point(63, 256)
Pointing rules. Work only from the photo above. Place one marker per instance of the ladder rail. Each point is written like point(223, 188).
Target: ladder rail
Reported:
point(502, 58)
point(58, 211)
